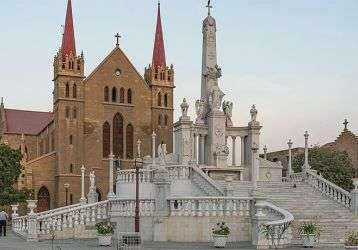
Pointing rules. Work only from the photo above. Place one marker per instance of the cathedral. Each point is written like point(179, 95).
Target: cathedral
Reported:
point(93, 117)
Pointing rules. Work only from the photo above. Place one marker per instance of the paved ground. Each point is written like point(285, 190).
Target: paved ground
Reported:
point(12, 242)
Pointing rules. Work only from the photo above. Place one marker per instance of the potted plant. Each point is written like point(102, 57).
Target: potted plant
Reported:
point(351, 240)
point(220, 234)
point(105, 231)
point(309, 232)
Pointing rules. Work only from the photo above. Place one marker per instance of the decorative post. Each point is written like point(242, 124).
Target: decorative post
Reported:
point(354, 193)
point(153, 147)
point(243, 145)
point(83, 199)
point(195, 148)
point(234, 151)
point(259, 239)
point(139, 143)
point(289, 143)
point(255, 166)
point(265, 152)
point(111, 194)
point(32, 221)
point(306, 166)
point(14, 209)
point(202, 149)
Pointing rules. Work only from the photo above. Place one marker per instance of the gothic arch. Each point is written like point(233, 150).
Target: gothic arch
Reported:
point(160, 118)
point(129, 141)
point(74, 91)
point(106, 94)
point(166, 120)
point(129, 96)
point(114, 94)
point(166, 100)
point(121, 95)
point(118, 135)
point(106, 139)
point(159, 99)
point(67, 90)
point(43, 197)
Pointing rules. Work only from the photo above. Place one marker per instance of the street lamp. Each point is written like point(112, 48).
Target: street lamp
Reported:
point(66, 185)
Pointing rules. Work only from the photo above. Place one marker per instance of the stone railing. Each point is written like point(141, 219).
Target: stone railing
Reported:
point(328, 189)
point(55, 210)
point(129, 175)
point(204, 182)
point(40, 226)
point(272, 225)
point(295, 177)
point(126, 207)
point(210, 206)
point(178, 172)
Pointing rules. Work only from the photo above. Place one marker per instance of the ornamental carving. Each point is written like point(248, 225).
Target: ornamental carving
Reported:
point(222, 150)
point(215, 98)
point(227, 108)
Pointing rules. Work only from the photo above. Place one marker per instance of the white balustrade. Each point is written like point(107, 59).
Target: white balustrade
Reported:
point(178, 172)
point(126, 207)
point(210, 206)
point(129, 175)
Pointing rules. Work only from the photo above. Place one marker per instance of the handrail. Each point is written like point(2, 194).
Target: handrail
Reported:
point(58, 209)
point(288, 217)
point(72, 210)
point(207, 178)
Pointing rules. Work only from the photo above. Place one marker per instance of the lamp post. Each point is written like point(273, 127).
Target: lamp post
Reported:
point(136, 211)
point(289, 143)
point(66, 185)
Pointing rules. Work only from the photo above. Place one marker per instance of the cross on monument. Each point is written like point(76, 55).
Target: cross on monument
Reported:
point(117, 36)
point(209, 6)
point(345, 123)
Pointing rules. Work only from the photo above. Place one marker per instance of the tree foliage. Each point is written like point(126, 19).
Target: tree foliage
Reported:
point(10, 169)
point(335, 166)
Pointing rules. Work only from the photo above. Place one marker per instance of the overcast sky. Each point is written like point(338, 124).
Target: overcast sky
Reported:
point(297, 60)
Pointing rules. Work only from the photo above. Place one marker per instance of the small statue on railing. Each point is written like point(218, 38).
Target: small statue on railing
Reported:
point(162, 151)
point(92, 180)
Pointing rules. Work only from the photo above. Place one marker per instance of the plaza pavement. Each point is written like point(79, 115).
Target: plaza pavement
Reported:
point(12, 242)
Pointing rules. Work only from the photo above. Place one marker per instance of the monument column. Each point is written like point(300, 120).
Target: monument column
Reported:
point(255, 166)
point(234, 151)
point(195, 148)
point(243, 151)
point(111, 194)
point(202, 149)
point(153, 147)
point(306, 165)
point(83, 199)
point(289, 158)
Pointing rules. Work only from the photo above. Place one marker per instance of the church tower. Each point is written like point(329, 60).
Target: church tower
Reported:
point(68, 101)
point(160, 78)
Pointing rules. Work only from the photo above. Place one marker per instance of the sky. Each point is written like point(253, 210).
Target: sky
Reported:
point(297, 60)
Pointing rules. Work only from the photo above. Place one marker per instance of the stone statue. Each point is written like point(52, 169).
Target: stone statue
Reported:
point(92, 180)
point(253, 113)
point(227, 108)
point(184, 108)
point(162, 151)
point(213, 73)
point(199, 108)
point(215, 98)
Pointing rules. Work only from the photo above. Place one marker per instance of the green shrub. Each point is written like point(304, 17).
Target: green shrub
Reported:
point(104, 228)
point(352, 238)
point(221, 229)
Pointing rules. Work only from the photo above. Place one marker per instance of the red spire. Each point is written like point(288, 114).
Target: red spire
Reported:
point(159, 51)
point(68, 39)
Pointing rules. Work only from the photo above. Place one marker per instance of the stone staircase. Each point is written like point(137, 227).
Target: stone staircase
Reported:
point(203, 182)
point(307, 204)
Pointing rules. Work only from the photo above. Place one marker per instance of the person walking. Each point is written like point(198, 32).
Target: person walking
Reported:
point(3, 219)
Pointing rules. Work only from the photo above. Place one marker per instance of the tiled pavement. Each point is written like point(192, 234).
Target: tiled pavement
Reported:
point(12, 242)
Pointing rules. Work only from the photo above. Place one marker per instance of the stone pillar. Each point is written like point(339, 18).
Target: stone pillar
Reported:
point(265, 152)
point(234, 151)
point(354, 193)
point(306, 165)
point(32, 221)
point(153, 147)
point(202, 149)
point(83, 199)
point(258, 237)
point(255, 166)
point(195, 148)
point(289, 158)
point(14, 209)
point(243, 151)
point(161, 183)
point(111, 194)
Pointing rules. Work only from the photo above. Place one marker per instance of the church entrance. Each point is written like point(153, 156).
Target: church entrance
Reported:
point(43, 203)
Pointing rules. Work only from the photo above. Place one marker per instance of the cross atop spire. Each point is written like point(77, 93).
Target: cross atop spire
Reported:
point(68, 39)
point(117, 36)
point(345, 123)
point(159, 51)
point(209, 6)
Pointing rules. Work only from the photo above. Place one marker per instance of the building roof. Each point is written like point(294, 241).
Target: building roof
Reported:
point(68, 40)
point(26, 122)
point(159, 51)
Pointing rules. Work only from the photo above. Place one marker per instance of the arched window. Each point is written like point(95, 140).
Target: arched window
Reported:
point(121, 95)
point(74, 113)
point(166, 120)
point(160, 120)
point(67, 112)
point(71, 168)
point(43, 200)
point(71, 139)
point(67, 91)
point(118, 135)
point(129, 96)
point(106, 140)
point(165, 100)
point(129, 141)
point(114, 94)
point(74, 91)
point(106, 94)
point(159, 99)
